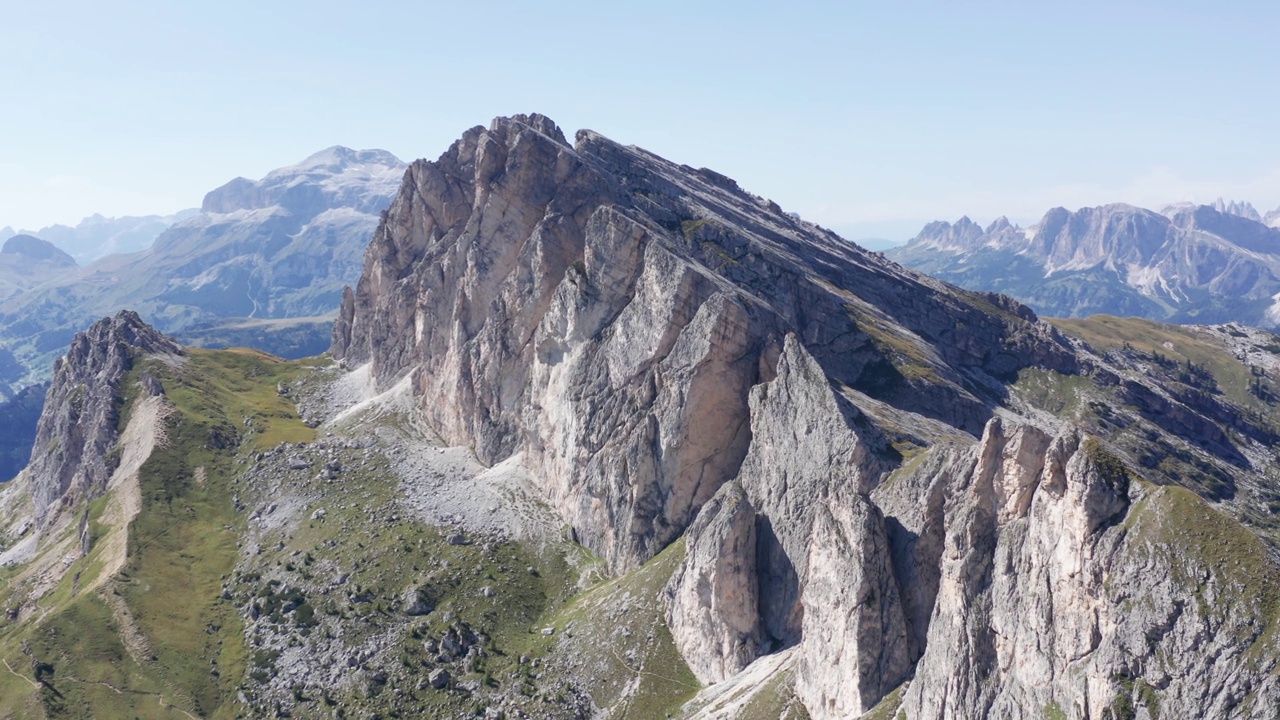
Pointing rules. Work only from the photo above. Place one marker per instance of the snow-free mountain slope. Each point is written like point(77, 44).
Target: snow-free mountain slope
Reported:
point(97, 236)
point(1186, 264)
point(611, 437)
point(279, 247)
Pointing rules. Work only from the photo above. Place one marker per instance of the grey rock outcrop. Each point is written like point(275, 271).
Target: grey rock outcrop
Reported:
point(1237, 208)
point(856, 646)
point(713, 597)
point(805, 446)
point(607, 312)
point(80, 422)
point(1060, 591)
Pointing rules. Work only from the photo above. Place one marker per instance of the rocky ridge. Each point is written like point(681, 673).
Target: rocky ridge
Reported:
point(672, 356)
point(97, 236)
point(71, 459)
point(1208, 263)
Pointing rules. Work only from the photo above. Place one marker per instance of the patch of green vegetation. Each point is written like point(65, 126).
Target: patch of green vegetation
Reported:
point(1201, 545)
point(888, 707)
point(1062, 395)
point(689, 227)
point(172, 647)
point(1178, 346)
point(84, 670)
point(222, 388)
point(1130, 695)
point(184, 540)
point(618, 628)
point(1110, 468)
point(1053, 711)
point(978, 300)
point(907, 355)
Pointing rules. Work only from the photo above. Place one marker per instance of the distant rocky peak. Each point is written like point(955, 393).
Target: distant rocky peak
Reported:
point(339, 158)
point(1240, 209)
point(964, 234)
point(1273, 218)
point(34, 248)
point(334, 177)
point(1000, 225)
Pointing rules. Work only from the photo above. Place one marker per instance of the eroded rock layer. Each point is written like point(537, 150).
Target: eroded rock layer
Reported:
point(608, 312)
point(881, 474)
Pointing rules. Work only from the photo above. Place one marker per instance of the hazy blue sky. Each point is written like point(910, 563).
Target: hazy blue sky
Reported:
point(867, 117)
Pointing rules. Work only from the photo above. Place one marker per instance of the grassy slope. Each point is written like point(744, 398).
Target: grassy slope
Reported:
point(1180, 344)
point(1163, 354)
point(381, 556)
point(162, 640)
point(181, 545)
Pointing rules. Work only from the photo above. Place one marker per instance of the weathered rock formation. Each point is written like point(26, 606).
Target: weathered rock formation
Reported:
point(608, 312)
point(81, 420)
point(833, 436)
point(713, 597)
point(1066, 587)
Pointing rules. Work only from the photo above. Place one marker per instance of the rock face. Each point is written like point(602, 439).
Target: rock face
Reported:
point(607, 312)
point(714, 595)
point(1189, 263)
point(80, 422)
point(846, 447)
point(855, 645)
point(1060, 591)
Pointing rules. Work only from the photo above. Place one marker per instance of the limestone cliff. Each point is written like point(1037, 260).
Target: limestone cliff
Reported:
point(1067, 586)
point(608, 312)
point(80, 424)
point(921, 495)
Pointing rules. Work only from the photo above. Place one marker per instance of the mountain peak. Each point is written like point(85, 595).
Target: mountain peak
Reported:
point(335, 176)
point(34, 248)
point(338, 158)
point(1240, 209)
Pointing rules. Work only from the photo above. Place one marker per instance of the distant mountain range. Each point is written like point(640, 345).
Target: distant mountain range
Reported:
point(280, 247)
point(26, 262)
point(1185, 264)
point(97, 236)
